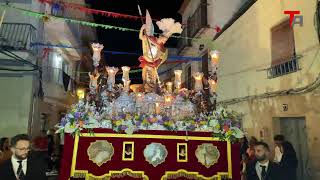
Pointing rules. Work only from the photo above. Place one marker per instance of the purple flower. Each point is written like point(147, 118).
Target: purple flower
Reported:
point(238, 125)
point(192, 127)
point(122, 116)
point(165, 118)
point(77, 115)
point(138, 123)
point(160, 122)
point(63, 122)
point(123, 127)
point(228, 122)
point(198, 119)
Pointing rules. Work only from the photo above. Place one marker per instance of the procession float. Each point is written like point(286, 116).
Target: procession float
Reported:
point(153, 130)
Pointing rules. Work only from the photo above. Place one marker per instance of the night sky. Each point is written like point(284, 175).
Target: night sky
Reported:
point(116, 40)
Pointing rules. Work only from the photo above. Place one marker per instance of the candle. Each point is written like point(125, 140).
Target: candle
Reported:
point(96, 47)
point(157, 108)
point(112, 71)
point(125, 73)
point(177, 79)
point(214, 59)
point(169, 87)
point(126, 85)
point(212, 86)
point(198, 81)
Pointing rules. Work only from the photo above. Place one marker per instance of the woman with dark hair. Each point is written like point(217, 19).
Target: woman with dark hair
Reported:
point(250, 150)
point(5, 152)
point(288, 161)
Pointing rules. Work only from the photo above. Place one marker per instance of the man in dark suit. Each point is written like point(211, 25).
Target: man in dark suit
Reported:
point(263, 168)
point(21, 166)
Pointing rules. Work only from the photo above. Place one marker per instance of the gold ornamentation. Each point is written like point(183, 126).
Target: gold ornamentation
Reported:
point(207, 154)
point(181, 173)
point(128, 151)
point(100, 152)
point(182, 152)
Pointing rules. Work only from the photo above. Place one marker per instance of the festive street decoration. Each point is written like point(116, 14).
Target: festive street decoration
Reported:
point(206, 41)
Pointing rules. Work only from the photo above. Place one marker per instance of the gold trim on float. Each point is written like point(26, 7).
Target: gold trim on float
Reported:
point(112, 174)
point(124, 143)
point(140, 136)
point(178, 152)
point(188, 174)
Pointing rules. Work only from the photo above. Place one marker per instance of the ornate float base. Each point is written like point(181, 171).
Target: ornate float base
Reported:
point(149, 155)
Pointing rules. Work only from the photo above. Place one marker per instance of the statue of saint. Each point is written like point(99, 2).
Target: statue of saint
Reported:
point(154, 52)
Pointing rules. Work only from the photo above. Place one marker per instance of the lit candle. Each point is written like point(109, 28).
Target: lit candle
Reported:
point(177, 79)
point(96, 47)
point(212, 86)
point(112, 71)
point(214, 59)
point(169, 87)
point(198, 81)
point(80, 93)
point(167, 99)
point(125, 73)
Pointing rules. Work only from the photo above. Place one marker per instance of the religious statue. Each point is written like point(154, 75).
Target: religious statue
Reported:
point(154, 52)
point(94, 81)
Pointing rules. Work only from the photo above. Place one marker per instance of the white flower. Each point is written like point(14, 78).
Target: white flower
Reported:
point(106, 124)
point(237, 132)
point(213, 123)
point(69, 129)
point(159, 117)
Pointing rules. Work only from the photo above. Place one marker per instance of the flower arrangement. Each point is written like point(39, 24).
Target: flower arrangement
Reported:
point(224, 124)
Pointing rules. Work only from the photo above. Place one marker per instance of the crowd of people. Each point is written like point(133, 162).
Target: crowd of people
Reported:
point(257, 163)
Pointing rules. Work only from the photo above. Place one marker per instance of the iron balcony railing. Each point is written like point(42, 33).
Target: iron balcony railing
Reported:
point(17, 36)
point(283, 68)
point(198, 20)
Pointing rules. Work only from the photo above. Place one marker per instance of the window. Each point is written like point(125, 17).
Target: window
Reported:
point(282, 39)
point(284, 59)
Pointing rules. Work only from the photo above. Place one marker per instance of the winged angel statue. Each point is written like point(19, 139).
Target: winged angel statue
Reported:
point(154, 52)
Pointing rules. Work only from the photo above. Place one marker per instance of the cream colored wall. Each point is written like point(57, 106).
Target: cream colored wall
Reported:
point(246, 50)
point(245, 47)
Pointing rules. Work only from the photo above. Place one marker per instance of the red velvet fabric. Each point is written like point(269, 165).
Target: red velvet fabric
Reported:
point(140, 164)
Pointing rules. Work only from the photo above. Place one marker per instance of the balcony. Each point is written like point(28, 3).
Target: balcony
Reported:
point(199, 20)
point(17, 36)
point(284, 68)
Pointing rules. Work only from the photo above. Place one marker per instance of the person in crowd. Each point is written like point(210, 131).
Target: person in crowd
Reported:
point(5, 152)
point(243, 155)
point(21, 165)
point(278, 141)
point(50, 136)
point(262, 168)
point(288, 161)
point(250, 150)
